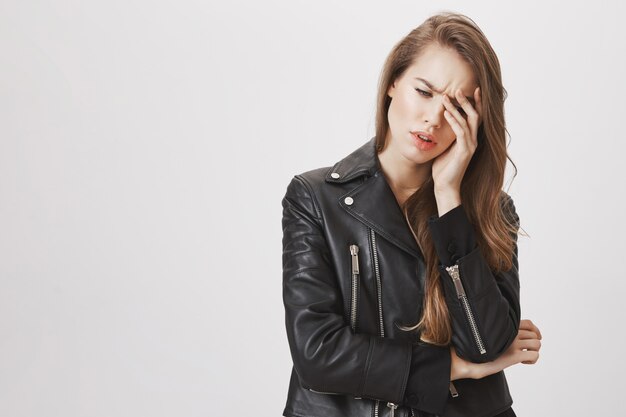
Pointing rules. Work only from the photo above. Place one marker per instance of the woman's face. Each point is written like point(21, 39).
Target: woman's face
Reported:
point(412, 110)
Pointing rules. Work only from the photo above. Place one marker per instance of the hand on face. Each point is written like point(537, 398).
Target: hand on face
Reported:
point(449, 167)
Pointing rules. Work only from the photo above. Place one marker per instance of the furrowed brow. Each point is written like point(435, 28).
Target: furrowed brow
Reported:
point(438, 90)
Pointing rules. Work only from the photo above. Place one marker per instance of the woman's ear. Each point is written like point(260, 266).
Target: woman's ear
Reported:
point(391, 90)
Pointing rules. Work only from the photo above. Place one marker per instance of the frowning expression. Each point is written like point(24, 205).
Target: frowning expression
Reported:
point(417, 102)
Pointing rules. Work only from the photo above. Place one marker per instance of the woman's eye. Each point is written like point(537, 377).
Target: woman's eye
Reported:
point(427, 94)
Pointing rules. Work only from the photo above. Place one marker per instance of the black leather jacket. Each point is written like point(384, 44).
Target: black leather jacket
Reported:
point(352, 273)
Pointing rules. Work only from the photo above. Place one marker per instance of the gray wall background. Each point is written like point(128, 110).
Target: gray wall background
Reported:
point(145, 147)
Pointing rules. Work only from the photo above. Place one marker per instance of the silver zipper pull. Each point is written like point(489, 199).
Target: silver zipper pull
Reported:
point(354, 251)
point(460, 291)
point(393, 408)
point(456, 278)
point(453, 390)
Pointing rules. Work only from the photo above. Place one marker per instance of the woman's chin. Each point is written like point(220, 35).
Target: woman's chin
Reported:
point(418, 156)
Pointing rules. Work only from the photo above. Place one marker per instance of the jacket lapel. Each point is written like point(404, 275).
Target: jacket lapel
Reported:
point(372, 201)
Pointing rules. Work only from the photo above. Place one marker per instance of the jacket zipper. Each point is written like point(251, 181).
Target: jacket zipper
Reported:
point(391, 405)
point(453, 390)
point(354, 253)
point(378, 283)
point(460, 291)
point(393, 408)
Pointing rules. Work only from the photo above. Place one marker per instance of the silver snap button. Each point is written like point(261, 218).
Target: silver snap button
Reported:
point(335, 175)
point(348, 201)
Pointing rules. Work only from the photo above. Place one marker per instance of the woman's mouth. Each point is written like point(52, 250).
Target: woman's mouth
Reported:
point(427, 137)
point(422, 142)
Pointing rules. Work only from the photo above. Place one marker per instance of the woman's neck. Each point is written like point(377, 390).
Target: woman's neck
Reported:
point(403, 176)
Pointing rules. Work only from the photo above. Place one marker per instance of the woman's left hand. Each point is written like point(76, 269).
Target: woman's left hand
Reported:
point(524, 349)
point(449, 167)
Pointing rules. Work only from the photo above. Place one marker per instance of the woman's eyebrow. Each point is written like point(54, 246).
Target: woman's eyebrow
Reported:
point(438, 90)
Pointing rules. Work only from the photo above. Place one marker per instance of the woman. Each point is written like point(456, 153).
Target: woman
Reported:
point(400, 271)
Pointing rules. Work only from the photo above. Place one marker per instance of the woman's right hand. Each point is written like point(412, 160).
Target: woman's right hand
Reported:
point(528, 337)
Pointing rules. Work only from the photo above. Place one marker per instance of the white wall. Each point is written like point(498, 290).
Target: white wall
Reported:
point(145, 147)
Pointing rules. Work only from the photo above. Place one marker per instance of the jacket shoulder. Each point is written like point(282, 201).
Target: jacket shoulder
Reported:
point(314, 177)
point(304, 187)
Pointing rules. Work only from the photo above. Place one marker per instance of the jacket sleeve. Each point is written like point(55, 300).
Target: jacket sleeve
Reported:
point(484, 306)
point(327, 356)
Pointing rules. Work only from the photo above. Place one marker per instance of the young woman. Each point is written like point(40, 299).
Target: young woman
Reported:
point(400, 270)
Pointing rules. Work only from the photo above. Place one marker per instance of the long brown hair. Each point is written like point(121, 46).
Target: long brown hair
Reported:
point(484, 201)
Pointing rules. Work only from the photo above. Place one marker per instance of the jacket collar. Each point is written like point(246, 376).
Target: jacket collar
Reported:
point(363, 161)
point(371, 201)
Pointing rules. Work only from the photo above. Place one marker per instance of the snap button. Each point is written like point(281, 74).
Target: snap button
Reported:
point(348, 201)
point(335, 175)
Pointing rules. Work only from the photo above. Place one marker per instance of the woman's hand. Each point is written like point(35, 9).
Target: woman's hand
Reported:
point(459, 368)
point(449, 167)
point(524, 349)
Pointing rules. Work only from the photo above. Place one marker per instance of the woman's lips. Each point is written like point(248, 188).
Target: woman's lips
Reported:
point(426, 135)
point(421, 143)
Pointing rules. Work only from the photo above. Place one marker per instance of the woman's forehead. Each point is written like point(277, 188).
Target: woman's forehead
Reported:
point(432, 86)
point(442, 68)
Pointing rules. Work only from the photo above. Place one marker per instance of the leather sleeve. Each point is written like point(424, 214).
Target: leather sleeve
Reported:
point(453, 235)
point(327, 355)
point(493, 299)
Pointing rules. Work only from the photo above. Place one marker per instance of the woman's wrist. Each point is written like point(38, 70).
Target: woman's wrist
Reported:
point(447, 199)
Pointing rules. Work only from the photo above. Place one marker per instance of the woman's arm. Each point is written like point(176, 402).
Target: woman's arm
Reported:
point(327, 355)
point(524, 349)
point(484, 307)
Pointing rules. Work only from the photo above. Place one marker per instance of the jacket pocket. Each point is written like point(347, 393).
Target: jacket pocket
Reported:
point(454, 273)
point(354, 298)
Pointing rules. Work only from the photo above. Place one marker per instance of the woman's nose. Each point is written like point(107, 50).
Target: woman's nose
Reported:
point(435, 112)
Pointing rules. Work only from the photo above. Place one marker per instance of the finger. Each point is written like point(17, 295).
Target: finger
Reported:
point(456, 127)
point(452, 109)
point(456, 121)
point(530, 357)
point(529, 344)
point(529, 325)
point(527, 334)
point(470, 111)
